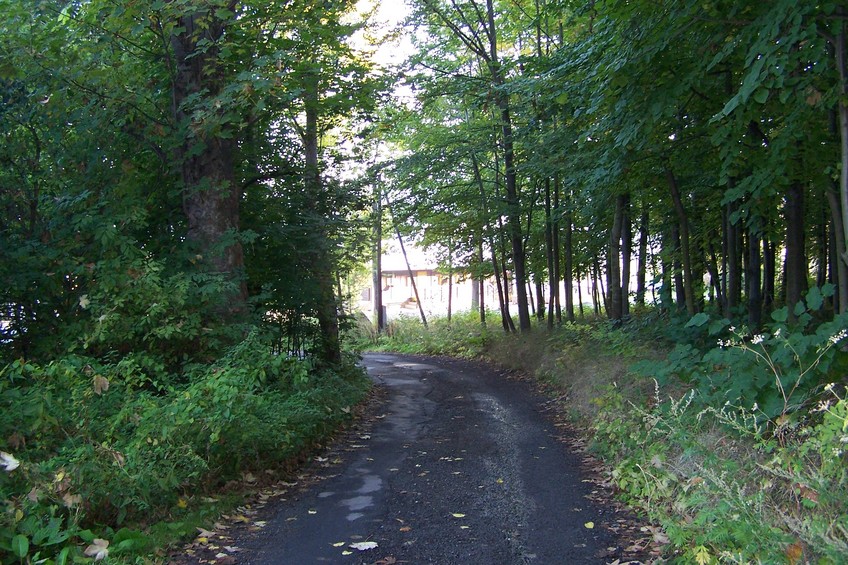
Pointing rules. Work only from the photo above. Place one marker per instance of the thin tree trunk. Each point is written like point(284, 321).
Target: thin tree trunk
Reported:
point(642, 268)
point(842, 68)
point(377, 282)
point(512, 197)
point(557, 256)
point(482, 283)
point(734, 261)
point(686, 256)
point(569, 274)
point(553, 281)
point(406, 260)
point(614, 307)
point(679, 288)
point(626, 254)
point(769, 273)
point(579, 298)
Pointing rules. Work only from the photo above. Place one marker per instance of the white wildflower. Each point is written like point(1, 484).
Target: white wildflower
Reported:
point(755, 407)
point(8, 462)
point(834, 339)
point(732, 329)
point(829, 387)
point(777, 332)
point(757, 339)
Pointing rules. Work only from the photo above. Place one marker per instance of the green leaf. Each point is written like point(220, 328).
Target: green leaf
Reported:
point(780, 315)
point(698, 320)
point(716, 326)
point(20, 546)
point(814, 299)
point(761, 95)
point(828, 290)
point(800, 308)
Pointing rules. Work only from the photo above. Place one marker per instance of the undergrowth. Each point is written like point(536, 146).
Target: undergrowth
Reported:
point(734, 441)
point(98, 459)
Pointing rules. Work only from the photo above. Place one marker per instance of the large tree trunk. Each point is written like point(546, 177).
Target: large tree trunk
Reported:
point(795, 267)
point(210, 194)
point(319, 258)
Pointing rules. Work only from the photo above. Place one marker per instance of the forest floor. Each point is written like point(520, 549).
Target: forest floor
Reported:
point(452, 462)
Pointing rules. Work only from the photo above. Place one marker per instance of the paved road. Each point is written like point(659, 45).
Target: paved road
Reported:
point(460, 468)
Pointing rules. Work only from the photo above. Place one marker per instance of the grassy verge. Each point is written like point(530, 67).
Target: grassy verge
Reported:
point(101, 462)
point(738, 451)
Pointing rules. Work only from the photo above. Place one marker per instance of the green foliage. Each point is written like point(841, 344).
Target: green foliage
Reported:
point(778, 370)
point(462, 337)
point(107, 444)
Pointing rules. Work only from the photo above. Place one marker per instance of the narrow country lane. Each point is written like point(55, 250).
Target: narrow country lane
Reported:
point(459, 468)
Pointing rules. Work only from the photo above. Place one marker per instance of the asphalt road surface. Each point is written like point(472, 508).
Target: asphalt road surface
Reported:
point(459, 467)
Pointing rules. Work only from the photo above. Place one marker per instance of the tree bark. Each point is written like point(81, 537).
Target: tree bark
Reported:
point(686, 256)
point(614, 287)
point(754, 280)
point(377, 251)
point(795, 267)
point(626, 254)
point(320, 258)
point(210, 194)
point(569, 274)
point(642, 268)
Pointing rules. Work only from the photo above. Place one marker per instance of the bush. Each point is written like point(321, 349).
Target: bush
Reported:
point(99, 445)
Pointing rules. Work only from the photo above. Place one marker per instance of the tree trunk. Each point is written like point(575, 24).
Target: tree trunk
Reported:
point(626, 254)
point(686, 256)
point(754, 280)
point(734, 261)
point(642, 268)
point(210, 193)
point(557, 256)
point(842, 68)
point(377, 208)
point(839, 250)
point(614, 306)
point(320, 258)
point(512, 198)
point(769, 273)
point(481, 282)
point(569, 274)
point(795, 267)
point(553, 281)
point(679, 288)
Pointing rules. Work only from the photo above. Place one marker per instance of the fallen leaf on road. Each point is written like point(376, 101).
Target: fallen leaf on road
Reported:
point(313, 512)
point(457, 515)
point(589, 525)
point(406, 529)
point(339, 544)
point(363, 545)
point(346, 552)
point(386, 561)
